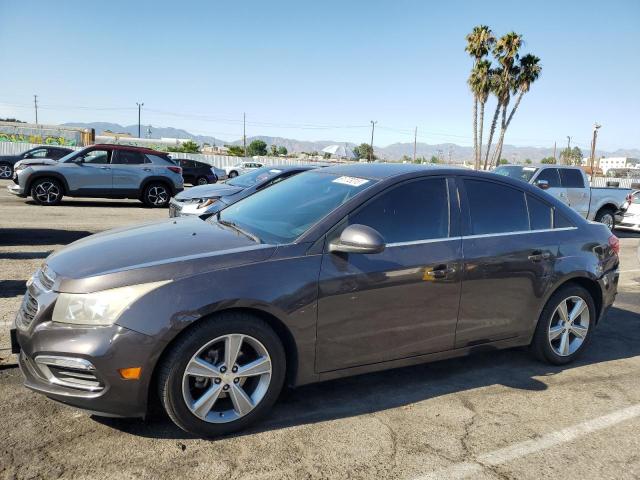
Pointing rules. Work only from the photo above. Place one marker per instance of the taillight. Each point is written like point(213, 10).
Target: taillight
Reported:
point(175, 170)
point(614, 243)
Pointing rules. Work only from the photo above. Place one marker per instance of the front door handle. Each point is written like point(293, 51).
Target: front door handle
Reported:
point(537, 256)
point(105, 168)
point(146, 169)
point(441, 271)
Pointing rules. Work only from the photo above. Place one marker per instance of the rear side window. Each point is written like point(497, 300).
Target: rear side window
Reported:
point(413, 211)
point(540, 214)
point(495, 208)
point(159, 160)
point(124, 157)
point(551, 176)
point(571, 178)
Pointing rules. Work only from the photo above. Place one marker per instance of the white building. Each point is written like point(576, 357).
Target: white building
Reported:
point(608, 163)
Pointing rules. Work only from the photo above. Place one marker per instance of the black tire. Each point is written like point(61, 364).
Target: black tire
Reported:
point(233, 173)
point(202, 181)
point(47, 191)
point(607, 216)
point(6, 170)
point(172, 368)
point(156, 195)
point(541, 345)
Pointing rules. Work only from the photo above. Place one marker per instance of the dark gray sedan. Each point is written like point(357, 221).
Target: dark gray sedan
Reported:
point(335, 272)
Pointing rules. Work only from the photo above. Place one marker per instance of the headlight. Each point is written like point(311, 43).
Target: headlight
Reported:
point(99, 308)
point(208, 202)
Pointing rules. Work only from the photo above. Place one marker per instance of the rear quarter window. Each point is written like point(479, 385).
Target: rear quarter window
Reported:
point(159, 160)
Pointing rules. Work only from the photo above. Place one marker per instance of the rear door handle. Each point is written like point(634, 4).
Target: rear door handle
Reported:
point(146, 169)
point(441, 271)
point(105, 168)
point(537, 256)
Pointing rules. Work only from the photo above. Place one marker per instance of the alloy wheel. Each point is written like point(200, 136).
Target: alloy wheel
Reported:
point(569, 326)
point(47, 192)
point(226, 378)
point(5, 171)
point(202, 181)
point(607, 219)
point(158, 195)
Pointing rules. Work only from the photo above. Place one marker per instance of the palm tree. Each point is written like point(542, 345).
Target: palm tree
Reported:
point(479, 44)
point(480, 84)
point(528, 72)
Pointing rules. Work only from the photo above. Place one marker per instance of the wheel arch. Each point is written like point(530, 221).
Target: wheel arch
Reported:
point(40, 175)
point(607, 206)
point(588, 283)
point(157, 179)
point(278, 326)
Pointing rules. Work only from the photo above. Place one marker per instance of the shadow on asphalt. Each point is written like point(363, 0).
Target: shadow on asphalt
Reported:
point(93, 203)
point(24, 255)
point(626, 234)
point(38, 236)
point(12, 288)
point(375, 392)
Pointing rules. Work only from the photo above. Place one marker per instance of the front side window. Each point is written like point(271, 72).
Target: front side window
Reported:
point(97, 157)
point(550, 175)
point(413, 211)
point(282, 213)
point(495, 208)
point(571, 178)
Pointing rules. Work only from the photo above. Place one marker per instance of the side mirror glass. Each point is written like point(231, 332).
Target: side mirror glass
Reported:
point(543, 184)
point(358, 239)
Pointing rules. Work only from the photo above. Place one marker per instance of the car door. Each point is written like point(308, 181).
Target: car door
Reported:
point(89, 173)
point(509, 250)
point(400, 302)
point(552, 177)
point(578, 194)
point(188, 171)
point(129, 170)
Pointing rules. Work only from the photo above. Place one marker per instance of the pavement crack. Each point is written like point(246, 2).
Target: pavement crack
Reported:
point(394, 439)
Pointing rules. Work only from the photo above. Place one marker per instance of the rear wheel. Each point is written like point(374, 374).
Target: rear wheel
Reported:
point(222, 375)
point(202, 181)
point(156, 195)
point(606, 216)
point(6, 170)
point(46, 191)
point(565, 325)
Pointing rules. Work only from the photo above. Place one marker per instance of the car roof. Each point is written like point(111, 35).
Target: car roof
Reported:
point(380, 171)
point(543, 165)
point(288, 168)
point(134, 148)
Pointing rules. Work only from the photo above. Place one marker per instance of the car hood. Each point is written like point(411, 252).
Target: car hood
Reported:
point(163, 250)
point(214, 190)
point(32, 162)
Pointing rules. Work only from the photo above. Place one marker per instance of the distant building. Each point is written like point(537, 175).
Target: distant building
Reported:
point(608, 163)
point(109, 133)
point(214, 150)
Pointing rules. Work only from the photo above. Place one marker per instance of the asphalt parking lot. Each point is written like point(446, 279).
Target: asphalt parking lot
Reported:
point(492, 415)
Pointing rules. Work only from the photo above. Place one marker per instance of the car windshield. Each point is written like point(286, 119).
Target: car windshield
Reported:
point(517, 172)
point(71, 155)
point(255, 177)
point(283, 212)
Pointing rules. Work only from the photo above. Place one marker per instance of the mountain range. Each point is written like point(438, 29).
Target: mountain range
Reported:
point(446, 151)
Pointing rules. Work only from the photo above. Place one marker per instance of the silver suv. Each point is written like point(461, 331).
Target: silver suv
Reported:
point(102, 171)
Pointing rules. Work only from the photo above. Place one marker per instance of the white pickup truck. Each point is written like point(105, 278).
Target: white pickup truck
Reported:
point(571, 185)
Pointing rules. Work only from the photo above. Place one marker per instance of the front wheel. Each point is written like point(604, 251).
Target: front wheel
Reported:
point(606, 216)
point(222, 375)
point(156, 195)
point(233, 173)
point(46, 191)
point(565, 325)
point(6, 170)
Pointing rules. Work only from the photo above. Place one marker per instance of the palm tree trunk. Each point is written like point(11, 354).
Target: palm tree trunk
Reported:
point(480, 133)
point(491, 132)
point(505, 124)
point(475, 132)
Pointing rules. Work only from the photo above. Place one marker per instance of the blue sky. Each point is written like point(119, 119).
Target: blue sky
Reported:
point(319, 70)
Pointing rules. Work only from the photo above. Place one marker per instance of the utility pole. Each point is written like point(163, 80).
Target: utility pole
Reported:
point(415, 140)
point(568, 152)
point(244, 132)
point(373, 127)
point(554, 152)
point(35, 104)
point(596, 126)
point(139, 108)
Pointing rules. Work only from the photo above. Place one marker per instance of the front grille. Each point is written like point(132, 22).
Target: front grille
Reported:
point(46, 279)
point(29, 308)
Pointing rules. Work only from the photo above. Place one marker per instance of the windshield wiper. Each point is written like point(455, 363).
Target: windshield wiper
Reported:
point(238, 229)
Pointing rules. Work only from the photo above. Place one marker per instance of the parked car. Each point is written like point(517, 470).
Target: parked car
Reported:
point(570, 185)
point(629, 217)
point(8, 161)
point(210, 199)
point(103, 171)
point(240, 168)
point(199, 173)
point(337, 271)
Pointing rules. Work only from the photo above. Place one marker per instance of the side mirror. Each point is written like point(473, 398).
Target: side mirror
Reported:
point(358, 239)
point(543, 184)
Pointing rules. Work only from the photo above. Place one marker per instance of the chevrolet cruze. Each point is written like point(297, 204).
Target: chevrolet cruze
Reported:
point(335, 272)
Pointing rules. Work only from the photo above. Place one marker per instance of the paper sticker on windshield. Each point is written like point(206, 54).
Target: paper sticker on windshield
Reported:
point(275, 171)
point(529, 169)
point(353, 181)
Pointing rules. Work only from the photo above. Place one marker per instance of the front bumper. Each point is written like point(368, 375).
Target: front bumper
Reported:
point(79, 366)
point(16, 190)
